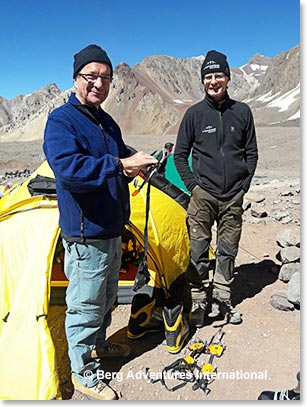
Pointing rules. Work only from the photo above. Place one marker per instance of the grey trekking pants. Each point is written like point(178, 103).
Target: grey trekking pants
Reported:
point(203, 210)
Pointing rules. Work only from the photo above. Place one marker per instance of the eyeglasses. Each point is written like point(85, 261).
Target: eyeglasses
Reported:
point(217, 77)
point(92, 78)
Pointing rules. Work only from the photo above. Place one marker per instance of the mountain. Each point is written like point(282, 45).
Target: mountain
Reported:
point(277, 98)
point(23, 118)
point(152, 96)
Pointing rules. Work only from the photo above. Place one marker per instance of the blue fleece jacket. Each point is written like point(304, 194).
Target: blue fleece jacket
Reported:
point(83, 147)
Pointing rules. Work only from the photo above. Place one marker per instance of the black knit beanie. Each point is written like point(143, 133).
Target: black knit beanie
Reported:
point(91, 53)
point(215, 62)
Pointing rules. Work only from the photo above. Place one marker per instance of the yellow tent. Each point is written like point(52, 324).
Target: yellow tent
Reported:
point(29, 234)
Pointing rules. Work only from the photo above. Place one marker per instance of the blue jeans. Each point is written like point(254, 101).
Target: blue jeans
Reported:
point(93, 271)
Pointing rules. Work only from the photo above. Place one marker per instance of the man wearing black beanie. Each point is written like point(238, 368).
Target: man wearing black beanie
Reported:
point(92, 167)
point(215, 62)
point(91, 53)
point(220, 134)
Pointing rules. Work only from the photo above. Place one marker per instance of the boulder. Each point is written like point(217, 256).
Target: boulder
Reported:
point(288, 237)
point(287, 271)
point(294, 289)
point(290, 254)
point(280, 301)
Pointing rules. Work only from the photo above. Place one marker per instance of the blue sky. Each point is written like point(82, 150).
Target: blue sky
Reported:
point(39, 38)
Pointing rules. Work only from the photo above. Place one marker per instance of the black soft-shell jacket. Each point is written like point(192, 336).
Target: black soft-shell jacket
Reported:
point(224, 149)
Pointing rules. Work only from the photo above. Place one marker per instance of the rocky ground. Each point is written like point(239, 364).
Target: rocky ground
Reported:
point(261, 353)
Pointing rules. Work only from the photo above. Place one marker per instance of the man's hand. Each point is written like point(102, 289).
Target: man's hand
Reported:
point(135, 163)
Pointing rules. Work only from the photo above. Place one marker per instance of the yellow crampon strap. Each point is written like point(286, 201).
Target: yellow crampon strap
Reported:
point(189, 360)
point(189, 368)
point(215, 349)
point(207, 368)
point(197, 346)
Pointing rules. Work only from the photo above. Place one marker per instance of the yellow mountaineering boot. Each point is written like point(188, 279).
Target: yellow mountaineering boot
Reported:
point(176, 328)
point(145, 316)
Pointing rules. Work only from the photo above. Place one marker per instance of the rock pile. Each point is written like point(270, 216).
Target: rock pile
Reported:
point(278, 201)
point(289, 256)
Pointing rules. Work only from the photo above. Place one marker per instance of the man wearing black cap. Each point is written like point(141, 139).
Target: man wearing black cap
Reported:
point(92, 168)
point(220, 133)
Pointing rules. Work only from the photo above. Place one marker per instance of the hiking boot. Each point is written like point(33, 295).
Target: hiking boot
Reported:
point(215, 310)
point(176, 328)
point(279, 395)
point(198, 314)
point(228, 311)
point(101, 391)
point(112, 350)
point(145, 317)
point(199, 297)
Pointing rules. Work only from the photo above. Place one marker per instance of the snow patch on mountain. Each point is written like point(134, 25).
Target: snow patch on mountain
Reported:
point(286, 100)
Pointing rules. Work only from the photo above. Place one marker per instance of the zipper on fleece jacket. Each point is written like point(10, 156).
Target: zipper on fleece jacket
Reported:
point(82, 228)
point(221, 148)
point(94, 118)
point(117, 185)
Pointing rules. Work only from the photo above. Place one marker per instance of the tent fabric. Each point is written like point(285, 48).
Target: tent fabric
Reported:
point(173, 176)
point(167, 235)
point(29, 233)
point(28, 230)
point(27, 369)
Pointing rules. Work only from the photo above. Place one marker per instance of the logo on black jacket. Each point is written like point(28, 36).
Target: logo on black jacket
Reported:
point(209, 129)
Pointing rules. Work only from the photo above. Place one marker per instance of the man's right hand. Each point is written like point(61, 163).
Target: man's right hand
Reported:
point(135, 163)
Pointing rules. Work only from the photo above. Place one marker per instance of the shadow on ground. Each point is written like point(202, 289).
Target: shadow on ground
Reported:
point(250, 279)
point(138, 348)
point(56, 320)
